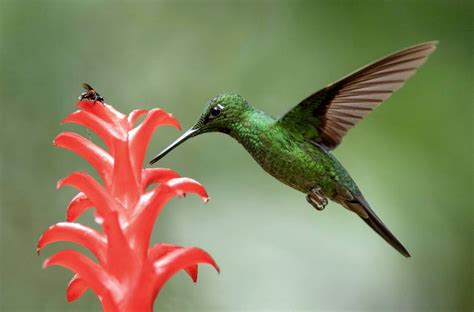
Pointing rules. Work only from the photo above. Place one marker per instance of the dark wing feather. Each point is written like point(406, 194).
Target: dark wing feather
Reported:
point(335, 109)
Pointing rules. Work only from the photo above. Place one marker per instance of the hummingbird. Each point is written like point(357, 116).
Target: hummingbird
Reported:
point(297, 148)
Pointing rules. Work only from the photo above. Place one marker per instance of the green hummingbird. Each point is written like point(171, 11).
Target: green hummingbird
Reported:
point(296, 148)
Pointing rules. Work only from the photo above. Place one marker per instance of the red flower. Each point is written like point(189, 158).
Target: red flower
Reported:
point(128, 274)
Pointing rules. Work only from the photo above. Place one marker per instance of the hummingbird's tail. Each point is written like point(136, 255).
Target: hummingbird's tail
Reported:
point(360, 206)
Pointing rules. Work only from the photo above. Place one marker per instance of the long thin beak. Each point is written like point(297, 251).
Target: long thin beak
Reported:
point(188, 134)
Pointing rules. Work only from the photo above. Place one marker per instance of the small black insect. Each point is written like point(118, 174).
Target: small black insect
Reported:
point(90, 94)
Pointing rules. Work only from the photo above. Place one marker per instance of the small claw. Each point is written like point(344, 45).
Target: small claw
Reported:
point(316, 199)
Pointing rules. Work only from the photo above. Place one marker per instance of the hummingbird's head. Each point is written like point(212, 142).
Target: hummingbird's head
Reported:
point(220, 115)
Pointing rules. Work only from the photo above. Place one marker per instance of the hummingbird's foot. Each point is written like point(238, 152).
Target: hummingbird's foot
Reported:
point(316, 199)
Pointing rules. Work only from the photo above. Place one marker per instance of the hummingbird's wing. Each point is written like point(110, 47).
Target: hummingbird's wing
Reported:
point(325, 116)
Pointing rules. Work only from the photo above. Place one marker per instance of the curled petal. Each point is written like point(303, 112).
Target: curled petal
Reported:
point(157, 175)
point(96, 193)
point(160, 250)
point(76, 288)
point(179, 259)
point(181, 186)
point(118, 116)
point(76, 233)
point(151, 203)
point(106, 207)
point(102, 128)
point(96, 156)
point(140, 136)
point(90, 272)
point(77, 206)
point(96, 108)
point(134, 115)
point(102, 110)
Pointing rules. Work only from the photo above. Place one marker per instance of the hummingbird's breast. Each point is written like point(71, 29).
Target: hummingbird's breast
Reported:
point(293, 161)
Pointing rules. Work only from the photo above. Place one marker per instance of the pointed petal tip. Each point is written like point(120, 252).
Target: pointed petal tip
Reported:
point(192, 272)
point(45, 237)
point(175, 122)
point(187, 185)
point(76, 288)
point(40, 245)
point(214, 265)
point(169, 118)
point(204, 196)
point(135, 114)
point(57, 139)
point(60, 183)
point(46, 263)
point(212, 262)
point(77, 206)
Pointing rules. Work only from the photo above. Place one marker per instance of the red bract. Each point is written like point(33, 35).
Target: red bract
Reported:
point(128, 273)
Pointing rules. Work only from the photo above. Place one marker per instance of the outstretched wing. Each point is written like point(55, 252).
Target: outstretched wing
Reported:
point(326, 116)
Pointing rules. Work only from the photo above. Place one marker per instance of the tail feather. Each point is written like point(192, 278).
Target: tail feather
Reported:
point(375, 223)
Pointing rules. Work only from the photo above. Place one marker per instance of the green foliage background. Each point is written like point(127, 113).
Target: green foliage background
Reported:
point(412, 157)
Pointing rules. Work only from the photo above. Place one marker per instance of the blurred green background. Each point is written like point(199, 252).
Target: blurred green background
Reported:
point(412, 157)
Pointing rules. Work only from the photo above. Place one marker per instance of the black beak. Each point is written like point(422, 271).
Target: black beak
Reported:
point(188, 134)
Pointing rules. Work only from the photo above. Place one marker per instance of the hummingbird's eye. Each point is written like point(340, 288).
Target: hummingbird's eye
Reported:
point(215, 111)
